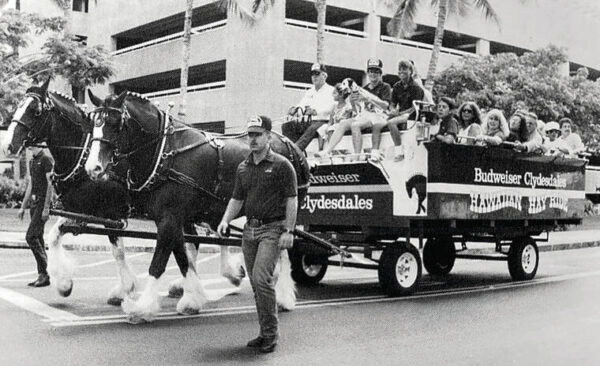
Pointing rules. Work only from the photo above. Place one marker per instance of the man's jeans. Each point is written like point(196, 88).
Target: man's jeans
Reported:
point(260, 246)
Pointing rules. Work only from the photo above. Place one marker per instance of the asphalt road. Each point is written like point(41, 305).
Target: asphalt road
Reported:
point(476, 316)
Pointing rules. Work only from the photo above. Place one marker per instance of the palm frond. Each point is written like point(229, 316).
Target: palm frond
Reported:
point(262, 5)
point(233, 7)
point(403, 23)
point(487, 9)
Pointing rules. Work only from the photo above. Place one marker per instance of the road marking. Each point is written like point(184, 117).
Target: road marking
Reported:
point(93, 264)
point(36, 306)
point(311, 304)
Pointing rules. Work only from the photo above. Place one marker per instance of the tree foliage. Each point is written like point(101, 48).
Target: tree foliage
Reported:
point(502, 80)
point(60, 55)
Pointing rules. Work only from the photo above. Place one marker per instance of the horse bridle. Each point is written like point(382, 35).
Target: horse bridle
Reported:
point(43, 105)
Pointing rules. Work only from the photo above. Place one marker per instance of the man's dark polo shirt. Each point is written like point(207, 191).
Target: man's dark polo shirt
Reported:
point(265, 187)
point(382, 91)
point(39, 166)
point(404, 95)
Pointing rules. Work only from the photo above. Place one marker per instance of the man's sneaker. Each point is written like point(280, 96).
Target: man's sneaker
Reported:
point(399, 153)
point(375, 156)
point(256, 342)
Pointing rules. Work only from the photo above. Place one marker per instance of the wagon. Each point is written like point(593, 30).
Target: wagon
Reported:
point(425, 210)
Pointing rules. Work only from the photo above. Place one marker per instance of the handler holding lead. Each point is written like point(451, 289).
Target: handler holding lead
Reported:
point(265, 185)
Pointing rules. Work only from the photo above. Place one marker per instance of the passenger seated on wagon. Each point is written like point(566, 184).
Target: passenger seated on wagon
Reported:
point(516, 126)
point(404, 93)
point(495, 128)
point(448, 124)
point(573, 139)
point(317, 102)
point(342, 112)
point(469, 120)
point(375, 97)
point(530, 139)
point(554, 145)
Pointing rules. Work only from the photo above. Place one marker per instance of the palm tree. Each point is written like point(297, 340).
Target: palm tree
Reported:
point(321, 6)
point(185, 62)
point(403, 22)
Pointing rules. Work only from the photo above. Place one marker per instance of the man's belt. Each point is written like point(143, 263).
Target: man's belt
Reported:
point(254, 222)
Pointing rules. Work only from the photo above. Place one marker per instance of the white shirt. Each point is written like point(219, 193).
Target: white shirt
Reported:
point(320, 100)
point(558, 144)
point(574, 142)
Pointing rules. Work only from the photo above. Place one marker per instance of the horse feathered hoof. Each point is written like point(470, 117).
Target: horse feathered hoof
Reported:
point(188, 306)
point(114, 301)
point(175, 292)
point(65, 287)
point(135, 319)
point(235, 276)
point(176, 288)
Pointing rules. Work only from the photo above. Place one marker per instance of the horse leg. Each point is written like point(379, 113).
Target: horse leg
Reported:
point(126, 285)
point(232, 268)
point(176, 286)
point(60, 265)
point(194, 296)
point(169, 235)
point(285, 289)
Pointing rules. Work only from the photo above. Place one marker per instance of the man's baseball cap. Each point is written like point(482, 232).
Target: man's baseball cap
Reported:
point(259, 124)
point(374, 63)
point(318, 67)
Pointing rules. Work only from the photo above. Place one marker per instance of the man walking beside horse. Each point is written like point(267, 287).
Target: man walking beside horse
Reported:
point(266, 187)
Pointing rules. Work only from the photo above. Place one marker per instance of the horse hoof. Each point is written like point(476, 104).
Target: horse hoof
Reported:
point(135, 319)
point(175, 292)
point(114, 301)
point(188, 311)
point(283, 309)
point(65, 288)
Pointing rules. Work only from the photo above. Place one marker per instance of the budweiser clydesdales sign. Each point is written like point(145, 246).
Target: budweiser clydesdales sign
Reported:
point(439, 181)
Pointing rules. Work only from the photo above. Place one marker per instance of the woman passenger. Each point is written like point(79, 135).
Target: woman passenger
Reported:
point(469, 119)
point(531, 140)
point(495, 128)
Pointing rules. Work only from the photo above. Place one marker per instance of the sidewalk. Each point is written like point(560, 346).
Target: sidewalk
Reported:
point(559, 240)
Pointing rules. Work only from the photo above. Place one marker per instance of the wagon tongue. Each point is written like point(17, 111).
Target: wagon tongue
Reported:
point(344, 254)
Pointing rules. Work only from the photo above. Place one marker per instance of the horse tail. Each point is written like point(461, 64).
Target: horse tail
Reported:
point(299, 162)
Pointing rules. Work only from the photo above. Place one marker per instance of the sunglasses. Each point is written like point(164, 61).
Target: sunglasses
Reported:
point(315, 73)
point(254, 134)
point(467, 110)
point(374, 71)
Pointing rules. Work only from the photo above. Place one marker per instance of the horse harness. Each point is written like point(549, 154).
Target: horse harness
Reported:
point(162, 165)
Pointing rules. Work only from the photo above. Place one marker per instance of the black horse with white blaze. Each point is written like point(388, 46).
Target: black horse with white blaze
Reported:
point(187, 176)
point(54, 118)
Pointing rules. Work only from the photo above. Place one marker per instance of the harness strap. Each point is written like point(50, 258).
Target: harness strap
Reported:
point(84, 152)
point(183, 179)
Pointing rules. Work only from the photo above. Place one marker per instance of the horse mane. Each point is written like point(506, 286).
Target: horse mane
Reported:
point(68, 106)
point(154, 112)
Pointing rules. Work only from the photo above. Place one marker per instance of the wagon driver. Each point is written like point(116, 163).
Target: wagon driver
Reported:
point(266, 187)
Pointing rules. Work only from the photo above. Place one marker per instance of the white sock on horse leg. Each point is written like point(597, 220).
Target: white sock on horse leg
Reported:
point(127, 281)
point(147, 306)
point(61, 266)
point(232, 267)
point(194, 295)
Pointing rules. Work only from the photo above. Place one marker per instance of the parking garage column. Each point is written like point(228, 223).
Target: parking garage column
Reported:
point(482, 47)
point(254, 70)
point(373, 29)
